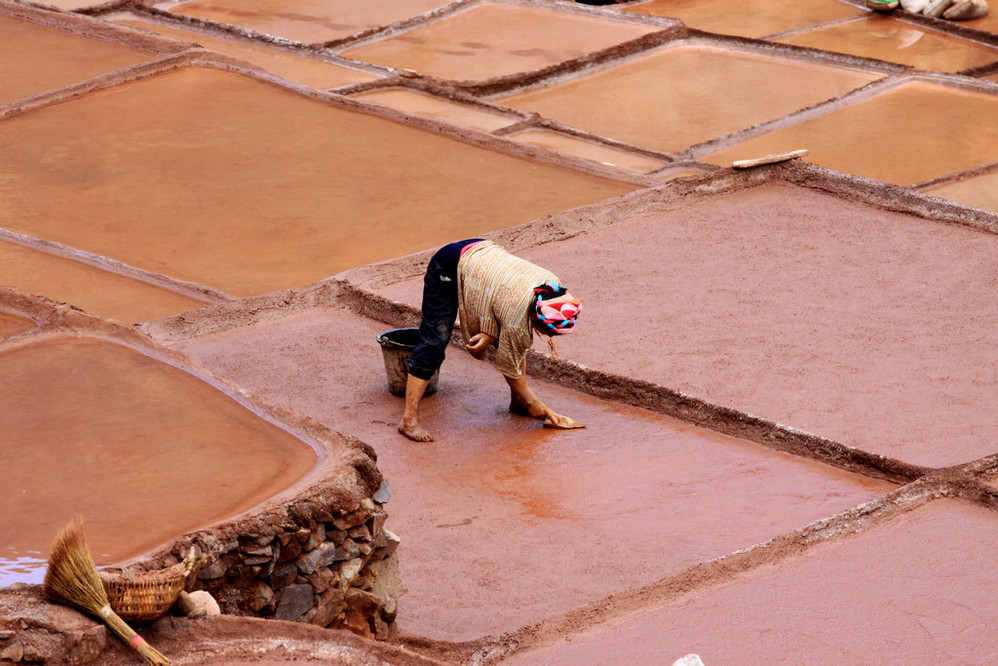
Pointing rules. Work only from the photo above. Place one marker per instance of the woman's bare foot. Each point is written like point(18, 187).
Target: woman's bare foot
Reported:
point(409, 426)
point(414, 431)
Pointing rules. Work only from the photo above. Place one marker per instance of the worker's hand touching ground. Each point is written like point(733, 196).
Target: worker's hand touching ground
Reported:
point(560, 422)
point(479, 344)
point(523, 401)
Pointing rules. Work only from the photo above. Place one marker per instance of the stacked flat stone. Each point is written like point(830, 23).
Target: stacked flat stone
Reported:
point(338, 570)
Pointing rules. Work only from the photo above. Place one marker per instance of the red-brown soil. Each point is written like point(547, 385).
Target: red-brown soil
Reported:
point(650, 494)
point(905, 584)
point(787, 373)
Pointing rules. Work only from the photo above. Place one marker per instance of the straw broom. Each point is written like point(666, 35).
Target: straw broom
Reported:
point(72, 579)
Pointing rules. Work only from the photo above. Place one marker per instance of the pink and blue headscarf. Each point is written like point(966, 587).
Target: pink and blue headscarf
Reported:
point(555, 318)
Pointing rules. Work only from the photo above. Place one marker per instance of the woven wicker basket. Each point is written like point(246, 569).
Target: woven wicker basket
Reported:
point(146, 595)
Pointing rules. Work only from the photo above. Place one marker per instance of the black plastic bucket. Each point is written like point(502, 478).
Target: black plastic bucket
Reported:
point(396, 346)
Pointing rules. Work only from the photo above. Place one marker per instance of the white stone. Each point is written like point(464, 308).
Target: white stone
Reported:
point(689, 660)
point(198, 604)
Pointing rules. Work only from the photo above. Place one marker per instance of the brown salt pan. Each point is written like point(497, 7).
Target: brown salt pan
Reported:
point(885, 38)
point(424, 104)
point(37, 58)
point(11, 325)
point(72, 5)
point(872, 328)
point(94, 290)
point(588, 150)
point(650, 101)
point(496, 40)
point(979, 191)
point(988, 23)
point(498, 501)
point(142, 450)
point(307, 20)
point(334, 189)
point(905, 135)
point(307, 71)
point(750, 18)
point(915, 591)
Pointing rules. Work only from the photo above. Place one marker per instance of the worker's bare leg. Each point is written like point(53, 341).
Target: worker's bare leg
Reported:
point(409, 425)
point(523, 401)
point(521, 396)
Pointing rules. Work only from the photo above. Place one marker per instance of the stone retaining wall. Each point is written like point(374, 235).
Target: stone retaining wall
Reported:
point(329, 568)
point(309, 560)
point(323, 557)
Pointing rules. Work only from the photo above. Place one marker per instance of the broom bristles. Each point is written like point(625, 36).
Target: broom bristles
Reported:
point(72, 578)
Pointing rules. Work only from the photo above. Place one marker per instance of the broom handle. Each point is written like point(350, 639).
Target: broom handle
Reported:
point(134, 641)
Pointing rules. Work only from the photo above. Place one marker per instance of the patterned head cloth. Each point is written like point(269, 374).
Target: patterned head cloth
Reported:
point(555, 318)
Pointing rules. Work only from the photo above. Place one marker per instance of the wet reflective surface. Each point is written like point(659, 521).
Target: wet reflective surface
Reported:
point(96, 291)
point(819, 306)
point(11, 325)
point(582, 513)
point(750, 18)
point(732, 90)
point(906, 135)
point(143, 451)
point(306, 20)
point(588, 150)
point(838, 317)
point(888, 39)
point(429, 106)
point(36, 59)
point(289, 215)
point(21, 567)
point(495, 40)
point(901, 588)
point(308, 71)
point(979, 191)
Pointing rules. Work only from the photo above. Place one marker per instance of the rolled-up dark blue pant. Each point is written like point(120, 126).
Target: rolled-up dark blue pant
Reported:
point(439, 310)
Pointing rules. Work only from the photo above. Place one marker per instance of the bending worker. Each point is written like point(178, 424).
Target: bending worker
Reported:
point(501, 300)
